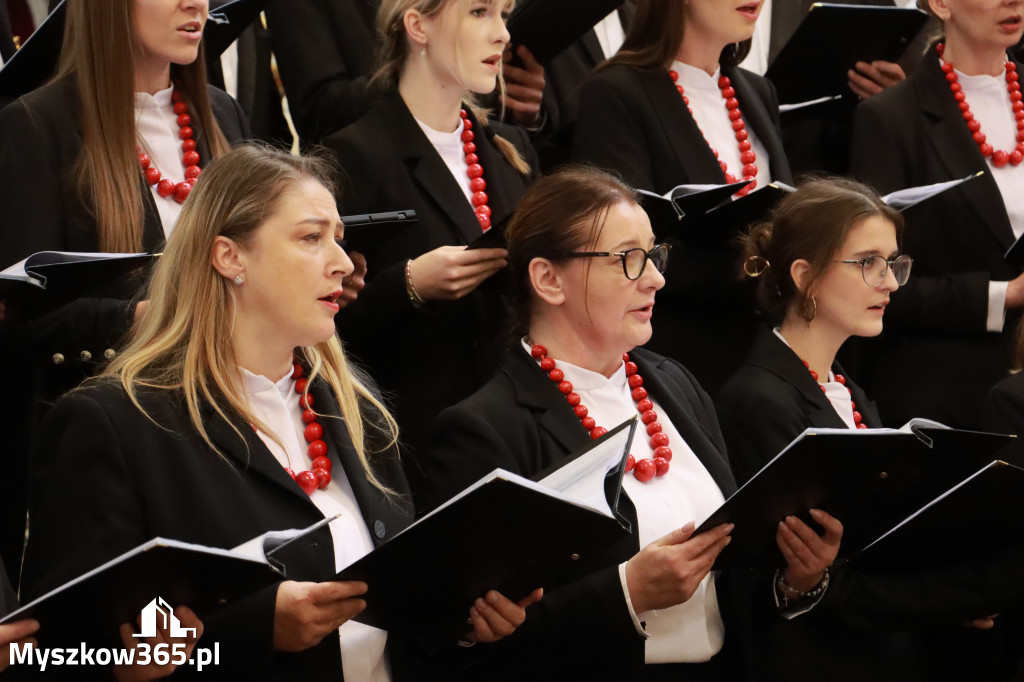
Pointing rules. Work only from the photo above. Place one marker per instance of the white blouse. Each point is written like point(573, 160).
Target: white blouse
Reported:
point(276, 404)
point(156, 125)
point(449, 146)
point(712, 117)
point(990, 103)
point(693, 631)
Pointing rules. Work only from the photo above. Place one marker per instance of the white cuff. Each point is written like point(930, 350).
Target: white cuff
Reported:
point(996, 306)
point(797, 609)
point(629, 603)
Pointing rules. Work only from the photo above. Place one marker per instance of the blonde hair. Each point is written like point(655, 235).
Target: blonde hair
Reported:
point(99, 48)
point(394, 51)
point(183, 342)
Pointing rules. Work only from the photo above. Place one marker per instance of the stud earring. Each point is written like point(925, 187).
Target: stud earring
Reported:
point(239, 280)
point(423, 51)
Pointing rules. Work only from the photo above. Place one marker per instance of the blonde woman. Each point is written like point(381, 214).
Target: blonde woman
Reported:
point(233, 411)
point(423, 146)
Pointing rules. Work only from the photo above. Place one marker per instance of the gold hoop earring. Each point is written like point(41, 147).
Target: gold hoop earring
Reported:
point(809, 316)
point(755, 266)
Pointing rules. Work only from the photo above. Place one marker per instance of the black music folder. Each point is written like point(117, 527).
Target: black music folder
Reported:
point(36, 61)
point(831, 39)
point(225, 23)
point(979, 516)
point(48, 280)
point(546, 27)
point(505, 533)
point(869, 479)
point(706, 215)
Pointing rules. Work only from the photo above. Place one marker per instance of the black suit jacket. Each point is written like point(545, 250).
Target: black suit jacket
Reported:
point(435, 355)
point(564, 76)
point(771, 399)
point(869, 625)
point(106, 478)
point(518, 422)
point(8, 600)
point(40, 139)
point(325, 51)
point(936, 360)
point(6, 37)
point(635, 123)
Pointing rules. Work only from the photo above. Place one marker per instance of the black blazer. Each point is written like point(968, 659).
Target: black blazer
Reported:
point(40, 139)
point(434, 356)
point(771, 399)
point(936, 359)
point(868, 626)
point(564, 76)
point(8, 600)
point(106, 478)
point(257, 89)
point(325, 51)
point(634, 122)
point(518, 422)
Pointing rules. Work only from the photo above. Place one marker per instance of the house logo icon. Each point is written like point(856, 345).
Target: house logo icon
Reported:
point(159, 609)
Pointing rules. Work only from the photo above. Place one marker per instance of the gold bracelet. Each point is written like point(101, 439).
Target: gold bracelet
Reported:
point(414, 295)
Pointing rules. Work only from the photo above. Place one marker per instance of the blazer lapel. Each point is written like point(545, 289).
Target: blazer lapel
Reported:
point(757, 116)
point(534, 390)
point(429, 170)
point(688, 426)
point(771, 354)
point(499, 175)
point(249, 453)
point(959, 153)
point(689, 150)
point(383, 517)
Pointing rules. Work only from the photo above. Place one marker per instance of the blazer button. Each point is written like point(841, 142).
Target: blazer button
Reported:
point(378, 529)
point(85, 355)
point(58, 358)
point(109, 353)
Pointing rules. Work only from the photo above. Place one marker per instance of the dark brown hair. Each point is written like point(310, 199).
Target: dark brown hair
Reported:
point(809, 224)
point(99, 44)
point(559, 214)
point(655, 34)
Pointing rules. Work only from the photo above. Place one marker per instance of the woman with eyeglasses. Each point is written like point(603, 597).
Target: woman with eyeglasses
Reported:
point(958, 114)
point(585, 271)
point(671, 108)
point(826, 265)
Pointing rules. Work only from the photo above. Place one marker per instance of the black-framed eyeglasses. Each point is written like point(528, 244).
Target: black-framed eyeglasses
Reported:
point(634, 261)
point(875, 268)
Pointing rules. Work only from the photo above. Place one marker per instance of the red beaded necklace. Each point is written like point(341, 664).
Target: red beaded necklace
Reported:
point(645, 469)
point(747, 154)
point(475, 171)
point(999, 157)
point(189, 158)
point(857, 417)
point(319, 476)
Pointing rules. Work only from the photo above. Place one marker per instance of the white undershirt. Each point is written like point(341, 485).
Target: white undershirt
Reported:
point(691, 632)
point(229, 66)
point(712, 117)
point(837, 393)
point(990, 103)
point(449, 146)
point(156, 125)
point(277, 406)
point(610, 34)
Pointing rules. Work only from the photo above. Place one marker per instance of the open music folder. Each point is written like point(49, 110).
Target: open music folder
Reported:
point(869, 479)
point(504, 532)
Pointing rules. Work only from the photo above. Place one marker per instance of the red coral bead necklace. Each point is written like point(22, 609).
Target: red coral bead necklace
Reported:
point(475, 171)
point(644, 469)
point(857, 417)
point(999, 157)
point(318, 476)
point(189, 158)
point(747, 154)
